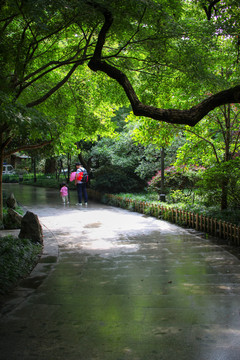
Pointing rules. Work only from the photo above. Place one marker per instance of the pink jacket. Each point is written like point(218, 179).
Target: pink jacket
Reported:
point(64, 191)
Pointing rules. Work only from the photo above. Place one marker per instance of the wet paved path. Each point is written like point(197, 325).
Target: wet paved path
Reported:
point(124, 287)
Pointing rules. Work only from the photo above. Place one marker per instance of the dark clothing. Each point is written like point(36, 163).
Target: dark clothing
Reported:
point(82, 188)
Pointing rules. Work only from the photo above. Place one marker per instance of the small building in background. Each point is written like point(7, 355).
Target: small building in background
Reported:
point(16, 159)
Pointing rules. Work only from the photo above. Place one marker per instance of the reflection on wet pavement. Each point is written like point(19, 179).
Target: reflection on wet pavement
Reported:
point(124, 286)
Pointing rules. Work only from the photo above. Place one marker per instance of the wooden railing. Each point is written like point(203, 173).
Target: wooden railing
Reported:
point(217, 228)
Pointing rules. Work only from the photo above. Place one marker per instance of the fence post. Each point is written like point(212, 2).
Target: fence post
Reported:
point(207, 224)
point(235, 234)
point(215, 226)
point(227, 230)
point(193, 220)
point(230, 232)
point(197, 221)
point(201, 222)
point(220, 229)
point(211, 225)
point(224, 230)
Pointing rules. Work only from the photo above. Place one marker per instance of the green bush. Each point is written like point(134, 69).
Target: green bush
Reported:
point(178, 196)
point(17, 259)
point(176, 178)
point(10, 178)
point(113, 179)
point(227, 175)
point(7, 222)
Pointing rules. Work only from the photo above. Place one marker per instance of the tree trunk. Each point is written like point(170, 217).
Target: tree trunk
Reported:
point(50, 166)
point(162, 171)
point(69, 167)
point(224, 195)
point(227, 155)
point(34, 171)
point(1, 188)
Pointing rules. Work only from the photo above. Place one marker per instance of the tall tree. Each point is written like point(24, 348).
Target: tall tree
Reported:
point(214, 144)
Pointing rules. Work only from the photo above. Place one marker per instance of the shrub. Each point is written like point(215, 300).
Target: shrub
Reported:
point(113, 179)
point(227, 175)
point(17, 258)
point(176, 178)
point(177, 196)
point(8, 222)
point(6, 178)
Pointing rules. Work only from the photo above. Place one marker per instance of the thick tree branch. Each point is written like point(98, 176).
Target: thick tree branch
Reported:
point(65, 79)
point(58, 64)
point(27, 147)
point(207, 141)
point(187, 117)
point(55, 88)
point(208, 9)
point(5, 143)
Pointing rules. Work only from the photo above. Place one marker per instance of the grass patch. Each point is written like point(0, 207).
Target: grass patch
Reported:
point(17, 259)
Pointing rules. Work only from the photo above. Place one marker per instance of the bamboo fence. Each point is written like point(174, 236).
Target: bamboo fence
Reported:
point(230, 233)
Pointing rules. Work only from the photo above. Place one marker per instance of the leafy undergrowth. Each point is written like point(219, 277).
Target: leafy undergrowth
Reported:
point(17, 259)
point(8, 222)
point(230, 215)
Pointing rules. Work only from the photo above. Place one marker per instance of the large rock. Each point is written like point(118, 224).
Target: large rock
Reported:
point(16, 218)
point(31, 228)
point(11, 202)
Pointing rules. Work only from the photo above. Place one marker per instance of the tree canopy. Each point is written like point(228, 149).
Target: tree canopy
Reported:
point(144, 46)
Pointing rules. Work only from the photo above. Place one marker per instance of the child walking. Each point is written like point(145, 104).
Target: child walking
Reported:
point(64, 193)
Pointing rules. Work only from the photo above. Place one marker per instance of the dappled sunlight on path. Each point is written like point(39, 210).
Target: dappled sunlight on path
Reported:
point(125, 286)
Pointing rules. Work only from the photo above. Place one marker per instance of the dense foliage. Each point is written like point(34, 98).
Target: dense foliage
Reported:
point(17, 258)
point(176, 178)
point(211, 186)
point(114, 179)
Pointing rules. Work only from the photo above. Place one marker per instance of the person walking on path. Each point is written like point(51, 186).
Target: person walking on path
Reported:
point(64, 193)
point(81, 183)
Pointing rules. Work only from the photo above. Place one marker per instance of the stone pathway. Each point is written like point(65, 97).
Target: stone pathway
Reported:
point(116, 285)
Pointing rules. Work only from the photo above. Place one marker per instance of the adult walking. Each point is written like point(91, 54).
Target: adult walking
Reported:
point(81, 183)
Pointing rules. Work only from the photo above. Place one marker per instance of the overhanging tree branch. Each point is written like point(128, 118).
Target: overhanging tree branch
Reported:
point(187, 117)
point(27, 147)
point(207, 141)
point(55, 88)
point(65, 79)
point(5, 143)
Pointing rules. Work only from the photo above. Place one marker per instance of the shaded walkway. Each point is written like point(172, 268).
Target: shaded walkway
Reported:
point(117, 285)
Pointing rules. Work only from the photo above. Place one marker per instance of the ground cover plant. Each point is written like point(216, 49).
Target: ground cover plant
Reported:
point(152, 198)
point(17, 259)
